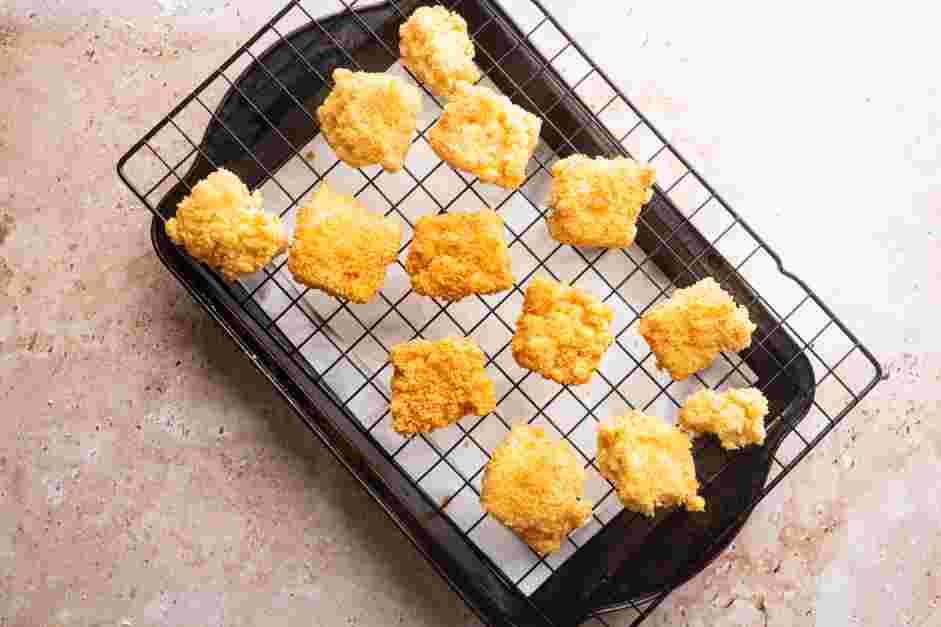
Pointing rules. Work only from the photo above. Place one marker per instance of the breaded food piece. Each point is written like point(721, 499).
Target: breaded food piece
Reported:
point(483, 133)
point(649, 462)
point(454, 255)
point(737, 416)
point(341, 247)
point(435, 46)
point(688, 331)
point(437, 383)
point(596, 202)
point(369, 118)
point(222, 224)
point(563, 332)
point(533, 485)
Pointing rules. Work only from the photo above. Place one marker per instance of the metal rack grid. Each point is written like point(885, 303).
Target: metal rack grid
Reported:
point(356, 338)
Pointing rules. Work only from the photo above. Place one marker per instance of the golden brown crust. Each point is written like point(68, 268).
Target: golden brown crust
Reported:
point(649, 462)
point(437, 383)
point(563, 332)
point(485, 134)
point(222, 224)
point(596, 202)
point(435, 46)
point(736, 416)
point(687, 332)
point(534, 485)
point(454, 255)
point(369, 118)
point(342, 248)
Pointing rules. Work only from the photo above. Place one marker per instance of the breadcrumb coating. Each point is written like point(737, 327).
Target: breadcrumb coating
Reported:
point(563, 332)
point(687, 332)
point(437, 383)
point(649, 462)
point(222, 224)
point(596, 202)
point(342, 248)
point(435, 46)
point(457, 254)
point(737, 416)
point(533, 485)
point(369, 118)
point(483, 133)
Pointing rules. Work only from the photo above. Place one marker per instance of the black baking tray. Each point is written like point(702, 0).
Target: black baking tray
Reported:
point(258, 126)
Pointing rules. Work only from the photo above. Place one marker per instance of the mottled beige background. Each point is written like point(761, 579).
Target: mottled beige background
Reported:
point(149, 476)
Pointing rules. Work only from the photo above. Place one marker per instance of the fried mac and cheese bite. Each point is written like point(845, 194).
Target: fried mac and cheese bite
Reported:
point(483, 133)
point(341, 247)
point(562, 333)
point(688, 331)
point(596, 202)
point(369, 118)
point(454, 255)
point(649, 462)
point(222, 224)
point(437, 383)
point(736, 416)
point(435, 46)
point(534, 484)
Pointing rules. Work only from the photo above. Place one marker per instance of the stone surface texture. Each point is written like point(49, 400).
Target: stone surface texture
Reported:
point(150, 476)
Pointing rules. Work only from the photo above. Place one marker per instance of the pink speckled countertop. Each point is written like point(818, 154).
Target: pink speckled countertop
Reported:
point(149, 475)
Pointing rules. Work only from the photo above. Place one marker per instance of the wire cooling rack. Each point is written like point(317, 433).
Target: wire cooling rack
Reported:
point(256, 115)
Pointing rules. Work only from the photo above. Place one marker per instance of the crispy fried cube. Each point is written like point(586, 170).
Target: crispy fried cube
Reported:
point(222, 224)
point(369, 118)
point(437, 383)
point(737, 416)
point(533, 485)
point(649, 462)
point(454, 255)
point(435, 46)
point(342, 248)
point(596, 202)
point(562, 333)
point(485, 134)
point(687, 332)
